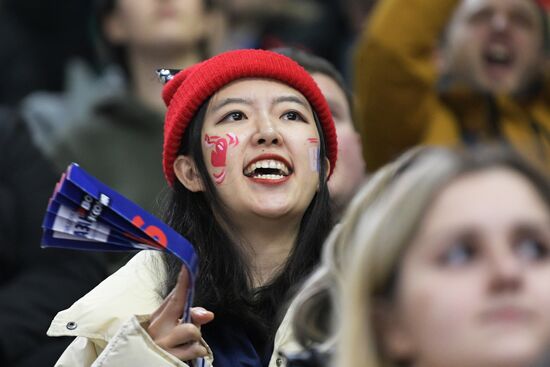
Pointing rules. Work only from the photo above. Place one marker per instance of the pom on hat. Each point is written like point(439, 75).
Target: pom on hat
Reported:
point(187, 90)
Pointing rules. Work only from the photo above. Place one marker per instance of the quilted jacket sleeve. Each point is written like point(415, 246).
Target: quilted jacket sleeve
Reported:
point(131, 346)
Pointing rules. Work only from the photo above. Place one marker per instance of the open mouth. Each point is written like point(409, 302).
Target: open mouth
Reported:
point(268, 169)
point(498, 55)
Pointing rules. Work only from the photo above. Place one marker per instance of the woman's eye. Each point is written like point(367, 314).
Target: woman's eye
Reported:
point(481, 16)
point(522, 20)
point(234, 116)
point(293, 116)
point(458, 254)
point(531, 249)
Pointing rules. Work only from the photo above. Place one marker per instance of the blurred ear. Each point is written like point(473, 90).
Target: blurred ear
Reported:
point(327, 164)
point(395, 340)
point(114, 28)
point(327, 172)
point(187, 173)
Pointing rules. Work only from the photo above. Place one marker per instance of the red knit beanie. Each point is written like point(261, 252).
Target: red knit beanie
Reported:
point(190, 88)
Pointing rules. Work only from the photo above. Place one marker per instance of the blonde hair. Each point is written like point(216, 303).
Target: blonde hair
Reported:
point(333, 310)
point(312, 308)
point(378, 234)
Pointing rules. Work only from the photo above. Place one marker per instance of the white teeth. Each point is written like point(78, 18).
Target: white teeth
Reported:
point(270, 177)
point(499, 52)
point(267, 163)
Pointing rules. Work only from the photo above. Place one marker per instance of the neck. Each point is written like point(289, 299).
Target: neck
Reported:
point(143, 62)
point(268, 244)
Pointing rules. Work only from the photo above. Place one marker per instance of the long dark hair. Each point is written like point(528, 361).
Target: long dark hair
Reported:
point(224, 282)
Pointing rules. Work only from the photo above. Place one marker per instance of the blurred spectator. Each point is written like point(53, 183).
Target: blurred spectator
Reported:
point(37, 39)
point(445, 264)
point(103, 124)
point(453, 72)
point(349, 174)
point(34, 283)
point(318, 26)
point(313, 314)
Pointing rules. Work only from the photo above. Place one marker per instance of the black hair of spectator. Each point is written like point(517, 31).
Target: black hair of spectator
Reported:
point(107, 52)
point(316, 64)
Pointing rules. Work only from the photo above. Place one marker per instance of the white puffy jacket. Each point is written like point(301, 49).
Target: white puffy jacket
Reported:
point(110, 321)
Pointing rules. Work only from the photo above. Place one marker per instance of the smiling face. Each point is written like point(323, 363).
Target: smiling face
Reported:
point(495, 45)
point(261, 147)
point(474, 285)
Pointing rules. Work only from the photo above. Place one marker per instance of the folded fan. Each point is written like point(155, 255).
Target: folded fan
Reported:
point(85, 214)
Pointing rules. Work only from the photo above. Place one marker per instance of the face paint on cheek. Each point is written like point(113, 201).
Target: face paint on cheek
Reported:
point(314, 154)
point(218, 156)
point(219, 177)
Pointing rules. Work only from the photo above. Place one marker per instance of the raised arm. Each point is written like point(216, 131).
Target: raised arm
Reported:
point(395, 75)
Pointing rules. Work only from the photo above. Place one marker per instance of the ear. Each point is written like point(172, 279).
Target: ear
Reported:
point(395, 340)
point(327, 164)
point(114, 28)
point(187, 173)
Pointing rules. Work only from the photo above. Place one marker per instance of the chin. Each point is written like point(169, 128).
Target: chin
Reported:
point(273, 212)
point(517, 353)
point(498, 87)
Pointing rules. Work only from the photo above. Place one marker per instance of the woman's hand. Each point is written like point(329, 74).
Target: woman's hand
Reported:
point(179, 339)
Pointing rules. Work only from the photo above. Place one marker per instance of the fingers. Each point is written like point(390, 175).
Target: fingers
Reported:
point(183, 342)
point(171, 309)
point(180, 339)
point(162, 306)
point(167, 315)
point(182, 286)
point(189, 351)
point(201, 316)
point(179, 335)
point(176, 303)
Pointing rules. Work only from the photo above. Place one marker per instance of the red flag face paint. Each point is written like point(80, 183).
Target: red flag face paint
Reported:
point(218, 156)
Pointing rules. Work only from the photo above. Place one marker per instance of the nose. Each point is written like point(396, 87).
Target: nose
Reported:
point(267, 133)
point(506, 271)
point(500, 22)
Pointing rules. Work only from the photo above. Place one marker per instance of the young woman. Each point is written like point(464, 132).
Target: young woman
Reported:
point(448, 266)
point(249, 146)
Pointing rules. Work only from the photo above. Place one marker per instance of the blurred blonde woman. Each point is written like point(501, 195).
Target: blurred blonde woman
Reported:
point(446, 263)
point(311, 340)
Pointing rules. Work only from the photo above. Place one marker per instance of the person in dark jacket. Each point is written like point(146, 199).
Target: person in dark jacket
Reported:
point(103, 123)
point(34, 283)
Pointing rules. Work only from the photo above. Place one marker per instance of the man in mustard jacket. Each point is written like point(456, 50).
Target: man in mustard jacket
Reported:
point(452, 72)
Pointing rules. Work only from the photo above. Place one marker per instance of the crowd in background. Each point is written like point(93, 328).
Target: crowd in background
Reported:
point(78, 84)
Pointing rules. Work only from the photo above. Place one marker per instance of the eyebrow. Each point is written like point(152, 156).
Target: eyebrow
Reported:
point(227, 101)
point(249, 102)
point(294, 99)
